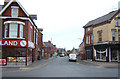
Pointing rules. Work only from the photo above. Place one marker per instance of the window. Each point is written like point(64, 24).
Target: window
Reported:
point(92, 38)
point(36, 38)
point(87, 39)
point(113, 35)
point(13, 30)
point(119, 35)
point(117, 22)
point(88, 28)
point(6, 30)
point(21, 31)
point(14, 11)
point(99, 36)
point(50, 49)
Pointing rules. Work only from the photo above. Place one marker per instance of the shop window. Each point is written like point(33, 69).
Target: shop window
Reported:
point(14, 11)
point(101, 55)
point(13, 30)
point(99, 36)
point(113, 54)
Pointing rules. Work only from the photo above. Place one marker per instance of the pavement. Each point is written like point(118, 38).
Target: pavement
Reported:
point(34, 65)
point(102, 64)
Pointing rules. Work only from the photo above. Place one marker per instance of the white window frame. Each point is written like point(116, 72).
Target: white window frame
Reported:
point(14, 14)
point(13, 22)
point(21, 31)
point(11, 30)
point(6, 30)
point(87, 39)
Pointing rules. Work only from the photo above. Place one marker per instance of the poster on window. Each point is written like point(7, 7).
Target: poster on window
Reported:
point(2, 61)
point(21, 59)
point(11, 59)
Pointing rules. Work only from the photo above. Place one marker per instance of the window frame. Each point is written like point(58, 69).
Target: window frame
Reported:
point(14, 14)
point(18, 23)
point(99, 36)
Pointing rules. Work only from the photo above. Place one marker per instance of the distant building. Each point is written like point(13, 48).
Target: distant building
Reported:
point(49, 49)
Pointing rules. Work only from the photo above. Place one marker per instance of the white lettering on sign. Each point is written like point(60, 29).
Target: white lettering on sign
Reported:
point(9, 43)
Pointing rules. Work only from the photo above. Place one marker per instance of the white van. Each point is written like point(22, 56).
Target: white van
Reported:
point(72, 57)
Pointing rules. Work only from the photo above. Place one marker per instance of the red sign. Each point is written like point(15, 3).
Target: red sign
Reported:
point(16, 43)
point(2, 61)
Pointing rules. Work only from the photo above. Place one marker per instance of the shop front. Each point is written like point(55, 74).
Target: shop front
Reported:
point(114, 51)
point(107, 52)
point(89, 52)
point(101, 52)
point(16, 52)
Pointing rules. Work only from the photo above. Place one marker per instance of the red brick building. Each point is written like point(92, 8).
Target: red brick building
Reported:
point(21, 40)
point(49, 49)
point(88, 41)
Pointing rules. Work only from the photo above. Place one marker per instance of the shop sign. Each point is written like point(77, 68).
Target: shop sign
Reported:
point(16, 43)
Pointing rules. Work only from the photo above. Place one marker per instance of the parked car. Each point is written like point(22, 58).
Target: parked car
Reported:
point(72, 57)
point(62, 55)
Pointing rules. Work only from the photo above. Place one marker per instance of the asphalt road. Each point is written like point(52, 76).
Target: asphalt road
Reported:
point(61, 67)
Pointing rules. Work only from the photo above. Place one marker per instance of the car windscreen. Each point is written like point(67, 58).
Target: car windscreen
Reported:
point(73, 55)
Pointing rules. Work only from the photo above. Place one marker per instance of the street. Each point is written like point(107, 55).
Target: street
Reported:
point(61, 67)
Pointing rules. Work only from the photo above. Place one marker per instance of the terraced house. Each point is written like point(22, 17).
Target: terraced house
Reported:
point(106, 37)
point(21, 39)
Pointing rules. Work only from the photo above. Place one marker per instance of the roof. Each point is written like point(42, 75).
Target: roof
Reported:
point(46, 44)
point(104, 18)
point(8, 4)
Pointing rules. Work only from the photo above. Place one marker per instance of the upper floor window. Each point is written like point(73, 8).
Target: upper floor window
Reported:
point(36, 38)
point(119, 35)
point(99, 36)
point(117, 22)
point(6, 30)
point(113, 35)
point(14, 11)
point(92, 38)
point(21, 31)
point(88, 28)
point(87, 39)
point(13, 29)
point(34, 35)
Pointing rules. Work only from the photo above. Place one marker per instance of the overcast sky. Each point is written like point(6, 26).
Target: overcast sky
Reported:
point(62, 20)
